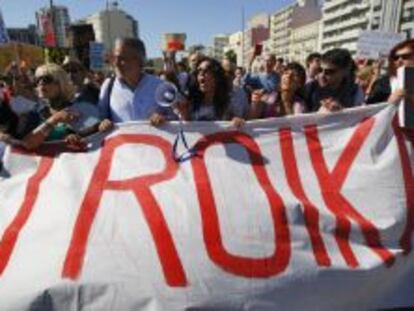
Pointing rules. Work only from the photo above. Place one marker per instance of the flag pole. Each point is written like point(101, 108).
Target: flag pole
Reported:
point(108, 20)
point(242, 38)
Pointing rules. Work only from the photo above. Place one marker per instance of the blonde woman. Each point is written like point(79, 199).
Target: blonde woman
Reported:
point(57, 92)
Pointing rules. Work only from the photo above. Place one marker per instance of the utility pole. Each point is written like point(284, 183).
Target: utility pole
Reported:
point(52, 19)
point(108, 27)
point(242, 38)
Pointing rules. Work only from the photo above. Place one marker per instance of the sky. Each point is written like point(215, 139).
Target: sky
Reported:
point(200, 19)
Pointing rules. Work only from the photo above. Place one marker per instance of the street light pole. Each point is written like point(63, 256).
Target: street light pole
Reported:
point(108, 21)
point(242, 38)
point(52, 19)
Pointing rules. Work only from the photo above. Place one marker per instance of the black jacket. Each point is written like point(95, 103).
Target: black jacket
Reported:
point(380, 92)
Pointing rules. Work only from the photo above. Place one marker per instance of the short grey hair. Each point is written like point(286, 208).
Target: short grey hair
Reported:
point(135, 44)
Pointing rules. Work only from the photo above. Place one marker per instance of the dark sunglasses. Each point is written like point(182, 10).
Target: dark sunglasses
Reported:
point(47, 79)
point(405, 56)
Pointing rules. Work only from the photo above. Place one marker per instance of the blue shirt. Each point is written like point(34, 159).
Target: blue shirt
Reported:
point(267, 81)
point(127, 104)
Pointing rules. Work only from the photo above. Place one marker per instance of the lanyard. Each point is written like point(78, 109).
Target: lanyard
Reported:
point(188, 153)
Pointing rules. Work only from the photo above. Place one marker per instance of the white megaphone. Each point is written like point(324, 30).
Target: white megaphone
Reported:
point(167, 95)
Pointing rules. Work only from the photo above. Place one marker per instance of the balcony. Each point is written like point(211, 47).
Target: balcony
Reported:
point(346, 36)
point(350, 10)
point(334, 3)
point(408, 5)
point(352, 22)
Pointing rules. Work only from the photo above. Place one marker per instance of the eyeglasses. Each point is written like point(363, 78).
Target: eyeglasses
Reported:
point(328, 71)
point(47, 79)
point(405, 56)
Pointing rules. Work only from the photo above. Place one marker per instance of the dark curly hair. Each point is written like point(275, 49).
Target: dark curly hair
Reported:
point(341, 58)
point(222, 88)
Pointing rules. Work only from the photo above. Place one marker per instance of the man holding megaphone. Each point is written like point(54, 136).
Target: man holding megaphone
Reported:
point(130, 95)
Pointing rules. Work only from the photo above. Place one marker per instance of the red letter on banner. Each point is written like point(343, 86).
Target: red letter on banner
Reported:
point(331, 184)
point(311, 213)
point(242, 266)
point(405, 241)
point(12, 232)
point(140, 186)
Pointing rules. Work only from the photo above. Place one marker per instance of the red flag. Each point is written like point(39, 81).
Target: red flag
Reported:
point(48, 31)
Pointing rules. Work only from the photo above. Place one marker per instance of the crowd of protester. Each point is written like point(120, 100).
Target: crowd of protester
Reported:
point(45, 104)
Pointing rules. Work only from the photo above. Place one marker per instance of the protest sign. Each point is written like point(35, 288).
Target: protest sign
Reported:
point(96, 55)
point(376, 44)
point(173, 41)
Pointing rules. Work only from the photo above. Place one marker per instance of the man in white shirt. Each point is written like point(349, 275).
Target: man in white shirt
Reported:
point(131, 94)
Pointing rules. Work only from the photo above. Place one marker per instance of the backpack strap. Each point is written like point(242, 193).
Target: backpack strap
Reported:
point(108, 95)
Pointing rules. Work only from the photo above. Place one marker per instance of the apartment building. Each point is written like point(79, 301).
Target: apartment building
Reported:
point(236, 45)
point(112, 23)
point(280, 31)
point(219, 43)
point(343, 20)
point(305, 30)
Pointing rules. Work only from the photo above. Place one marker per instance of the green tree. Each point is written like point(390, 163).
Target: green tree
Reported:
point(55, 55)
point(231, 56)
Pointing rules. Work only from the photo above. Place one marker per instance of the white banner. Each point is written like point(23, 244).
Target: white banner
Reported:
point(313, 212)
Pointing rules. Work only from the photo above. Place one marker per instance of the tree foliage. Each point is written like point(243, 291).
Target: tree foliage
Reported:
point(231, 56)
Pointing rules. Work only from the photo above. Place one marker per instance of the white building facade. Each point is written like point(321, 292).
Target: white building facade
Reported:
point(407, 19)
point(236, 45)
point(304, 40)
point(280, 31)
point(113, 23)
point(343, 20)
point(257, 32)
point(219, 43)
point(305, 30)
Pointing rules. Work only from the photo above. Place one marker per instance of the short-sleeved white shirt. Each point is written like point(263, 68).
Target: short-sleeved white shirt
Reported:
point(127, 104)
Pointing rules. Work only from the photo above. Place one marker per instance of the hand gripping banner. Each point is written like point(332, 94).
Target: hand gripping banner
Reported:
point(310, 212)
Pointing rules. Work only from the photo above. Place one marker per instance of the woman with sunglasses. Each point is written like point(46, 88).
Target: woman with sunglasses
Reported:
point(335, 87)
point(286, 100)
point(56, 91)
point(385, 88)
